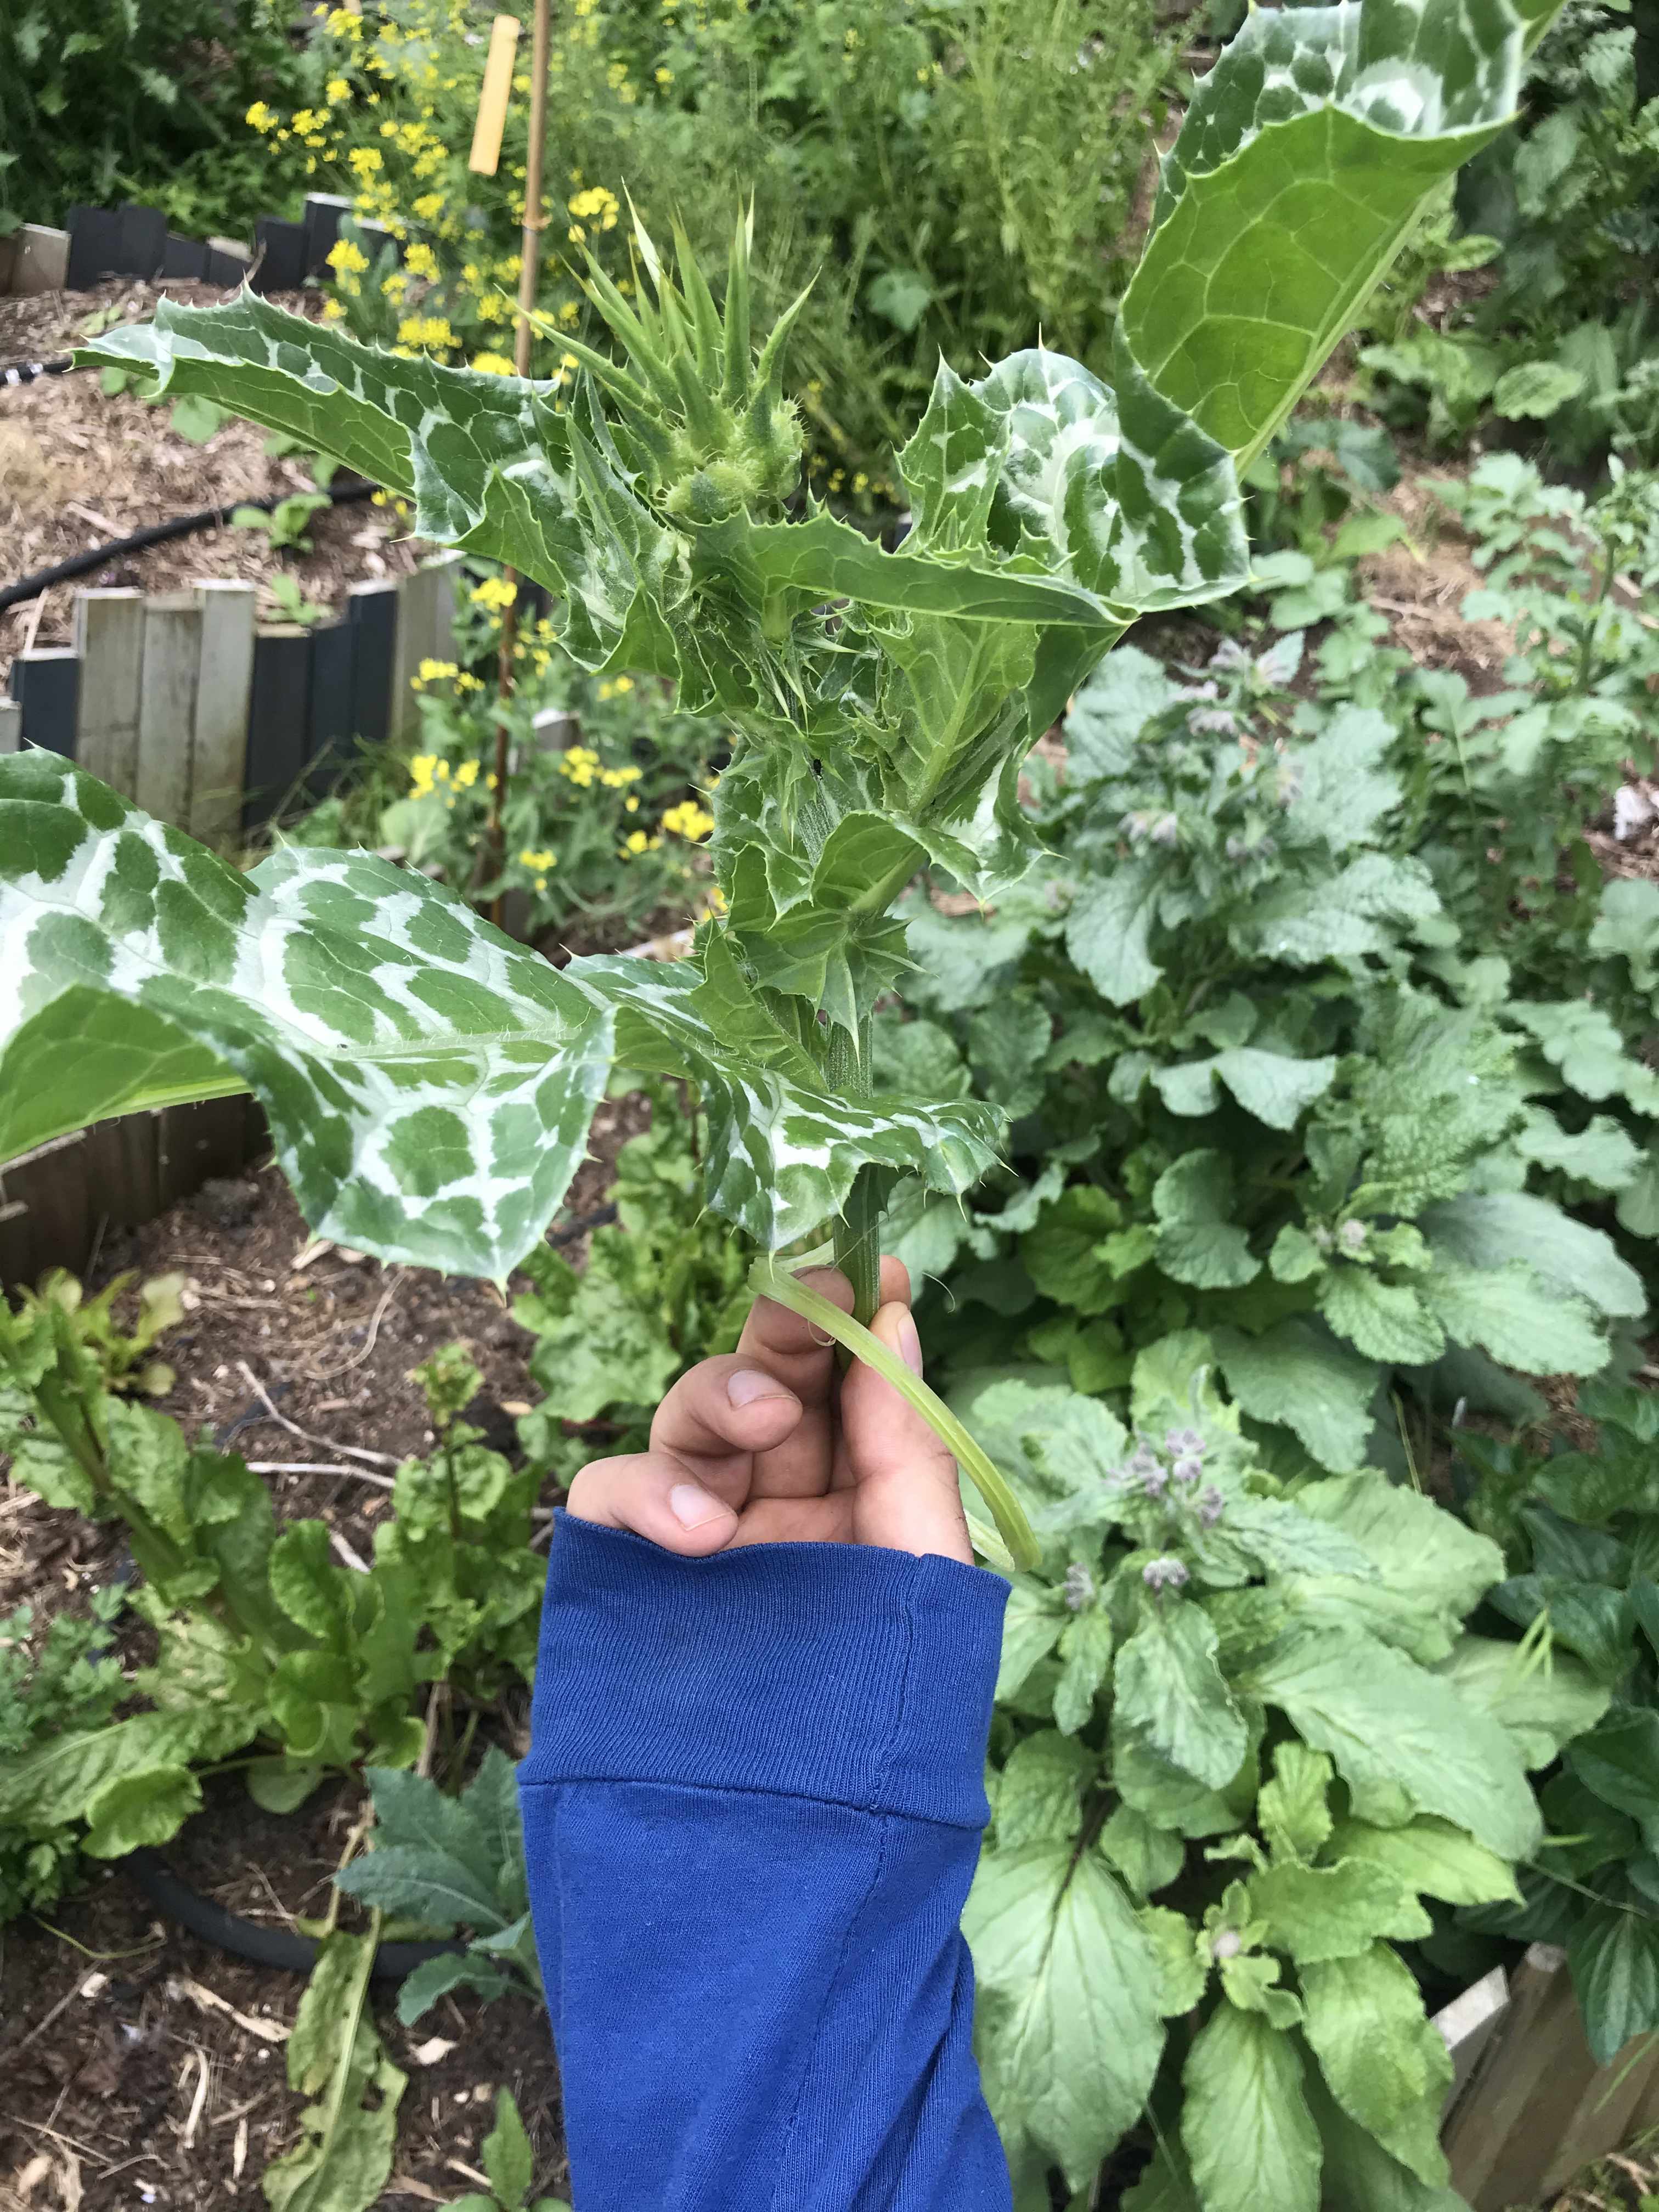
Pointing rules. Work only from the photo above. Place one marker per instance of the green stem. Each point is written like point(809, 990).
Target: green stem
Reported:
point(858, 1243)
point(771, 1281)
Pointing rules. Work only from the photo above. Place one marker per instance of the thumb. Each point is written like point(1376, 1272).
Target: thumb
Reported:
point(908, 1497)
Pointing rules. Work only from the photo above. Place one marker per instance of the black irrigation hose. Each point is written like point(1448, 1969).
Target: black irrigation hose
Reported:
point(25, 372)
point(211, 518)
point(248, 1939)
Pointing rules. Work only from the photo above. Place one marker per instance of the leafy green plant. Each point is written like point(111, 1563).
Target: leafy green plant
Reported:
point(460, 1528)
point(444, 1863)
point(1240, 1101)
point(509, 2166)
point(434, 1114)
point(65, 1680)
point(263, 1639)
point(666, 1287)
point(335, 2056)
point(122, 1355)
point(1241, 1735)
point(284, 525)
point(1580, 1528)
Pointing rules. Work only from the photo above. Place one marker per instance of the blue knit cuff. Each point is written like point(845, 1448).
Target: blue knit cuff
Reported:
point(835, 1671)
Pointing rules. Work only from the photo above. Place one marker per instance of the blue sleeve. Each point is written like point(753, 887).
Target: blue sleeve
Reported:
point(752, 1807)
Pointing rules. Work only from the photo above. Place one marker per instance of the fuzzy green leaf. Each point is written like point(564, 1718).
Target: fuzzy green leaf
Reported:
point(1170, 1691)
point(1613, 1955)
point(1316, 1913)
point(1387, 2067)
point(1245, 2126)
point(1434, 1858)
point(1070, 2033)
point(1303, 1377)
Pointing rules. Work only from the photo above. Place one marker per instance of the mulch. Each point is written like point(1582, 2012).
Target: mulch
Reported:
point(80, 468)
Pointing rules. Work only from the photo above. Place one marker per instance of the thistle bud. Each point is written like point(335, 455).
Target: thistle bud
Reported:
point(1160, 1575)
point(1079, 1586)
point(1352, 1236)
point(1211, 1507)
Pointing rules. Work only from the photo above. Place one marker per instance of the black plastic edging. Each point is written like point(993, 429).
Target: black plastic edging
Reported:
point(158, 533)
point(251, 1939)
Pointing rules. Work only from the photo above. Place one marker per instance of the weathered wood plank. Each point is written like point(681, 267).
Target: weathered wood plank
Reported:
point(45, 685)
point(109, 637)
point(223, 700)
point(426, 631)
point(372, 610)
point(167, 706)
point(277, 719)
point(11, 725)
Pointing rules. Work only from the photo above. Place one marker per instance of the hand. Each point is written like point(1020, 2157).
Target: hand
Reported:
point(773, 1444)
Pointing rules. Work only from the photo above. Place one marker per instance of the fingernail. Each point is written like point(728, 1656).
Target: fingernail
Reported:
point(909, 1344)
point(692, 1506)
point(748, 1384)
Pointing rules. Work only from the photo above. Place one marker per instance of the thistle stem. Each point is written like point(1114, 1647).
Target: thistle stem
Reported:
point(858, 1243)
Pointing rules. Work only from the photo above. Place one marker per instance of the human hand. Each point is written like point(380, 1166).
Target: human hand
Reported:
point(773, 1444)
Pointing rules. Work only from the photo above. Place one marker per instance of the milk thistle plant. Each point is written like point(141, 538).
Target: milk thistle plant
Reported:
point(429, 1082)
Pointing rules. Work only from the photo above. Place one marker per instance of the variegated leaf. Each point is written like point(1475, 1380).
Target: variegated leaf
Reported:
point(1300, 168)
point(429, 1083)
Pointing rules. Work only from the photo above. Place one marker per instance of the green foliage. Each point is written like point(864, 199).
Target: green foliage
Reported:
point(1582, 1531)
point(666, 1287)
point(142, 101)
point(508, 2165)
point(121, 1355)
point(343, 2161)
point(448, 1862)
point(1240, 1737)
point(66, 1680)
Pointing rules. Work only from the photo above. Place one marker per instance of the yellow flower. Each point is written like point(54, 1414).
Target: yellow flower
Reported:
point(421, 260)
point(332, 310)
point(346, 258)
point(493, 364)
point(434, 671)
point(466, 775)
point(335, 90)
point(494, 591)
point(688, 820)
point(465, 683)
point(365, 159)
point(395, 285)
point(540, 862)
point(425, 331)
point(421, 772)
point(429, 206)
point(260, 117)
point(636, 841)
point(631, 806)
point(664, 76)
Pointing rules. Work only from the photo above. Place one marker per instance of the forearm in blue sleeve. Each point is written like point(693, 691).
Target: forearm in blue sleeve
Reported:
point(752, 1807)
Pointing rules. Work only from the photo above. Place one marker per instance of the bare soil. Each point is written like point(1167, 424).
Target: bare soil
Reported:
point(80, 468)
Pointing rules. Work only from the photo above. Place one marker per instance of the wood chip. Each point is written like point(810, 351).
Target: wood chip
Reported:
point(429, 2053)
point(198, 2102)
point(239, 2149)
point(268, 2031)
point(318, 1249)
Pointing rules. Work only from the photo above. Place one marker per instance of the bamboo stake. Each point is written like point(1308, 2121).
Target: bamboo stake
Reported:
point(530, 252)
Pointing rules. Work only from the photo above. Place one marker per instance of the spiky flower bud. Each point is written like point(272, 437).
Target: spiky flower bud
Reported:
point(1352, 1236)
point(1211, 1507)
point(1079, 1586)
point(1188, 1470)
point(1160, 1575)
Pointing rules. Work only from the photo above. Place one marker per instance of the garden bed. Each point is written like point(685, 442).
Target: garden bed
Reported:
point(80, 467)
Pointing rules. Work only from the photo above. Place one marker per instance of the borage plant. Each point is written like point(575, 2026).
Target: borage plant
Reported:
point(430, 1085)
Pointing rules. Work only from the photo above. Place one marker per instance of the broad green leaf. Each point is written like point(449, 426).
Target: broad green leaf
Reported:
point(1110, 710)
point(1168, 1689)
point(1245, 2126)
point(1300, 1375)
point(343, 2159)
point(1613, 1955)
point(1197, 1240)
point(1386, 2065)
point(1039, 1790)
point(424, 1882)
point(1275, 1086)
point(1292, 1809)
point(1300, 169)
point(54, 1783)
point(1488, 1230)
point(1513, 1314)
point(506, 2154)
point(1070, 2033)
point(1316, 1913)
point(429, 1083)
point(1618, 1760)
point(1420, 1550)
point(1146, 1855)
point(1540, 1707)
point(1390, 1321)
point(1583, 1042)
point(85, 1056)
point(1168, 1798)
point(1434, 1858)
point(1183, 1962)
point(148, 1807)
point(1085, 1654)
point(1110, 926)
point(1031, 1627)
point(1396, 1730)
point(1359, 2171)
